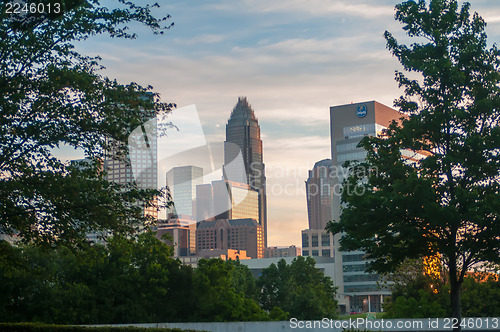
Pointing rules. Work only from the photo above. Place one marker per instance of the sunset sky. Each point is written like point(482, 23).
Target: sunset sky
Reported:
point(292, 59)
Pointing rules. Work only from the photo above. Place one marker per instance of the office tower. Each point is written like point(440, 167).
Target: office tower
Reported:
point(316, 241)
point(182, 182)
point(274, 252)
point(243, 136)
point(224, 199)
point(235, 201)
point(239, 234)
point(319, 195)
point(140, 164)
point(182, 234)
point(348, 125)
point(204, 198)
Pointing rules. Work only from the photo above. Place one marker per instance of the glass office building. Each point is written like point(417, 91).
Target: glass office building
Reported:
point(243, 137)
point(182, 182)
point(358, 290)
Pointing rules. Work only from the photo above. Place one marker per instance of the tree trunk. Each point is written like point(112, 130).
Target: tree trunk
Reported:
point(456, 310)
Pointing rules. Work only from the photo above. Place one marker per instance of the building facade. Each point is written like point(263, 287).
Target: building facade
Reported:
point(243, 137)
point(237, 234)
point(181, 235)
point(319, 195)
point(358, 290)
point(224, 199)
point(182, 182)
point(141, 162)
point(274, 252)
point(317, 243)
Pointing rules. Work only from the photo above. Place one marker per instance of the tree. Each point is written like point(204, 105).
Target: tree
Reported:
point(52, 96)
point(300, 289)
point(130, 280)
point(445, 200)
point(220, 293)
point(421, 295)
point(416, 293)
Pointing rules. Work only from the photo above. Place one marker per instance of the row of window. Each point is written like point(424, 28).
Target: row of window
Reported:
point(325, 240)
point(324, 253)
point(353, 258)
point(355, 268)
point(341, 158)
point(361, 277)
point(361, 288)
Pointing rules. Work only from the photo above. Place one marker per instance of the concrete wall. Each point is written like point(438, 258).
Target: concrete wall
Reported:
point(420, 325)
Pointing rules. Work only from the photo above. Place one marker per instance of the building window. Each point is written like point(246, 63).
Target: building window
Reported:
point(315, 253)
point(305, 240)
point(325, 252)
point(361, 288)
point(362, 278)
point(353, 258)
point(305, 253)
point(314, 240)
point(325, 240)
point(355, 268)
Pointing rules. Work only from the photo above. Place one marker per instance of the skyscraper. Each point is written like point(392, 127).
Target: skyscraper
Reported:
point(182, 182)
point(243, 136)
point(348, 125)
point(226, 200)
point(316, 241)
point(140, 164)
point(319, 195)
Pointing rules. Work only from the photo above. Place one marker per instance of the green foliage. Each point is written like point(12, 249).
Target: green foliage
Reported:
point(134, 280)
point(278, 314)
point(52, 96)
point(447, 200)
point(481, 299)
point(415, 298)
point(421, 307)
point(300, 289)
point(130, 281)
point(38, 327)
point(221, 289)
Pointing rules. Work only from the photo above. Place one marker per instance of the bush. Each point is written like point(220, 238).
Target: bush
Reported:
point(39, 327)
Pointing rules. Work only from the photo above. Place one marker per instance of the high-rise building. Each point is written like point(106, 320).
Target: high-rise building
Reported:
point(140, 165)
point(182, 182)
point(226, 200)
point(238, 234)
point(319, 195)
point(358, 290)
point(316, 241)
point(182, 236)
point(273, 252)
point(243, 137)
point(204, 202)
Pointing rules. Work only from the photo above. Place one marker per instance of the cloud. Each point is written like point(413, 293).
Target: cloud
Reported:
point(364, 9)
point(202, 39)
point(293, 60)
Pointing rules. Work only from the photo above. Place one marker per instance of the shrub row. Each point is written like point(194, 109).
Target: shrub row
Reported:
point(40, 327)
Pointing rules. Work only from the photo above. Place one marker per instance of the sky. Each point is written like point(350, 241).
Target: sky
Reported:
point(292, 59)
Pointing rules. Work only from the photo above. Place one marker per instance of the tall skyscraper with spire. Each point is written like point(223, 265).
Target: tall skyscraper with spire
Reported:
point(243, 136)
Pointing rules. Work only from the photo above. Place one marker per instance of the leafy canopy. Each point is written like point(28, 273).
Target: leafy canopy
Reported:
point(52, 96)
point(443, 196)
point(299, 288)
point(444, 199)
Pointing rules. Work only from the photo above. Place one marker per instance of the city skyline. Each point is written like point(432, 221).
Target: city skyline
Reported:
point(292, 60)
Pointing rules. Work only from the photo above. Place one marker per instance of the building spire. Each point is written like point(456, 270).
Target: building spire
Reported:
point(242, 110)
